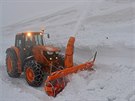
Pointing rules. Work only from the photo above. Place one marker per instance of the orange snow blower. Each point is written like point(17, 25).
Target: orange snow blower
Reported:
point(57, 80)
point(39, 62)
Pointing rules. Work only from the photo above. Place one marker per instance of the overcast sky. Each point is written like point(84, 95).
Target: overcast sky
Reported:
point(13, 11)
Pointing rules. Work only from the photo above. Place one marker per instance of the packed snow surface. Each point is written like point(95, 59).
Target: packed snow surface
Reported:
point(107, 27)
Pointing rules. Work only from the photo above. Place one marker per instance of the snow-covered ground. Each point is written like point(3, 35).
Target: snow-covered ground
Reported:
point(108, 27)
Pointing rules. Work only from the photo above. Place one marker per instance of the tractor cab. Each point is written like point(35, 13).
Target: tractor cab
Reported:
point(31, 44)
point(29, 39)
point(26, 41)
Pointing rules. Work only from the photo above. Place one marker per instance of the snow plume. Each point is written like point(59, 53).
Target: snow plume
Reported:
point(85, 9)
point(80, 20)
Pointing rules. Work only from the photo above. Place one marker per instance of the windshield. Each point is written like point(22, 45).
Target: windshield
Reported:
point(38, 39)
point(34, 39)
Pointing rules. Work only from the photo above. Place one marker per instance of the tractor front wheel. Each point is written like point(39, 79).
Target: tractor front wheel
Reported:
point(33, 73)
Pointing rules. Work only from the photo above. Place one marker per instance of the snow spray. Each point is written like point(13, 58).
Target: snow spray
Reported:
point(80, 20)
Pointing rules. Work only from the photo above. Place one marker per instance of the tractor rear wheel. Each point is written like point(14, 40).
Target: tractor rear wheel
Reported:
point(33, 73)
point(11, 64)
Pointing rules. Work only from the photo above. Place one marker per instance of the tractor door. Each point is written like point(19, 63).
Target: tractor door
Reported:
point(20, 45)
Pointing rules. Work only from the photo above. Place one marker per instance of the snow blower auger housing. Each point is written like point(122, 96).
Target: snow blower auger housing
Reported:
point(31, 56)
point(57, 81)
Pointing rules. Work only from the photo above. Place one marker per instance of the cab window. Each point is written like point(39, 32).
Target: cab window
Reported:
point(18, 42)
point(38, 39)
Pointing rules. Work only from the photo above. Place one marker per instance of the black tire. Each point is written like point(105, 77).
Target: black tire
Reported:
point(13, 60)
point(37, 72)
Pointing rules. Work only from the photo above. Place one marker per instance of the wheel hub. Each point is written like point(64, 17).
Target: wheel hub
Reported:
point(30, 74)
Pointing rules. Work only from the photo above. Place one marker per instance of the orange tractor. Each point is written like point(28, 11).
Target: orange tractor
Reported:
point(40, 62)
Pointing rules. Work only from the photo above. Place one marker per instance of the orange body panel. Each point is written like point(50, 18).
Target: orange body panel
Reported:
point(40, 58)
point(38, 54)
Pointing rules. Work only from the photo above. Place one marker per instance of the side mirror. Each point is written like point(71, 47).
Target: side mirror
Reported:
point(48, 35)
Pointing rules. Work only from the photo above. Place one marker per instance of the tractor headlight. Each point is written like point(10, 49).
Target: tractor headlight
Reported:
point(50, 53)
point(29, 34)
point(50, 58)
point(56, 57)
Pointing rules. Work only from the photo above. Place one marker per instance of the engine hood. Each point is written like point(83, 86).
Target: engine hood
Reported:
point(47, 48)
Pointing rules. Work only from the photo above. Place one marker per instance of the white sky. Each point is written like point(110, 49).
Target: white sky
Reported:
point(13, 11)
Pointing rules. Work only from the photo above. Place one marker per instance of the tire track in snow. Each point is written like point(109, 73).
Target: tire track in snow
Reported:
point(21, 84)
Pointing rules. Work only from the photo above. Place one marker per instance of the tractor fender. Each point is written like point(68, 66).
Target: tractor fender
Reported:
point(16, 52)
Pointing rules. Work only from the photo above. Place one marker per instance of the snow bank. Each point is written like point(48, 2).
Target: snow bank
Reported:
point(9, 93)
point(112, 80)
